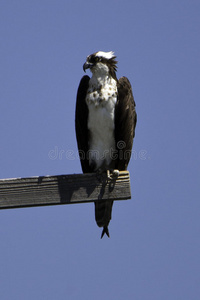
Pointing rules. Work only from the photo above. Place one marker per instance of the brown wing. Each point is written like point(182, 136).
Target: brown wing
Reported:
point(125, 122)
point(81, 119)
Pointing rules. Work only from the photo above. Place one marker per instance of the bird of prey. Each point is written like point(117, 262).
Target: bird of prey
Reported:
point(105, 121)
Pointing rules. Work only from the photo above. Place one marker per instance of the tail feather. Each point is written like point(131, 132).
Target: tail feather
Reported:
point(105, 230)
point(103, 212)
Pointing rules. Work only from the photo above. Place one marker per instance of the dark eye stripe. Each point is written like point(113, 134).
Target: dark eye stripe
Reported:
point(94, 59)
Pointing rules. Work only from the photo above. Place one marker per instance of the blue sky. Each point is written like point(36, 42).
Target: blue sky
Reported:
point(56, 252)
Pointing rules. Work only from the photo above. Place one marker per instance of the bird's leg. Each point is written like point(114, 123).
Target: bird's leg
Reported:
point(108, 174)
point(112, 173)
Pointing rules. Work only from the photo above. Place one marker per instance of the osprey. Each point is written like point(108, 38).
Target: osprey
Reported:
point(105, 123)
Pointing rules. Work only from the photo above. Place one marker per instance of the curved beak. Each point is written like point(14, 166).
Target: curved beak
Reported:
point(87, 65)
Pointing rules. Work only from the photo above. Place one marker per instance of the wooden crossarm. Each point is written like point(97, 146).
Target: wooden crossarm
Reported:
point(63, 189)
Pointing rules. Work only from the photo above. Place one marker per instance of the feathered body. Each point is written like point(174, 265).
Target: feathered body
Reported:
point(105, 123)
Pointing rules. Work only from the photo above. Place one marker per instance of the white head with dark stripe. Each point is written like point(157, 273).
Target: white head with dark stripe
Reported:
point(103, 63)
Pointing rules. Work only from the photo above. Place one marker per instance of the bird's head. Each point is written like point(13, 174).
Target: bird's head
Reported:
point(101, 63)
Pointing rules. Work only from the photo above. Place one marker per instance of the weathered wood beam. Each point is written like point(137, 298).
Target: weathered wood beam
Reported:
point(63, 189)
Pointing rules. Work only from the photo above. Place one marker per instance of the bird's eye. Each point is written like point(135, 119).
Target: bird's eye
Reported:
point(96, 59)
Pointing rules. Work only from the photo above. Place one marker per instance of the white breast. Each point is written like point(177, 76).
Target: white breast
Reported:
point(101, 104)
